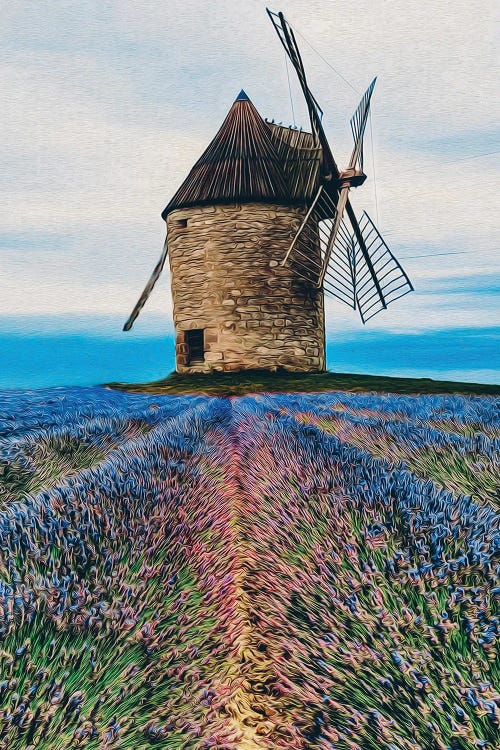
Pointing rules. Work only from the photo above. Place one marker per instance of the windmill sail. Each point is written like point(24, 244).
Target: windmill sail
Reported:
point(148, 288)
point(358, 124)
point(392, 280)
point(287, 39)
point(357, 267)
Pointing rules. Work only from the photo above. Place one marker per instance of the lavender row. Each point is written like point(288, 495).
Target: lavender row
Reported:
point(235, 577)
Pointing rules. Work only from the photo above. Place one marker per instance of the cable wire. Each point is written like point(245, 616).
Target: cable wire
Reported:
point(325, 60)
point(373, 168)
point(290, 89)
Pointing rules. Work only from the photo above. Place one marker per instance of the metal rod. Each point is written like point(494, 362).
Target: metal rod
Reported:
point(359, 237)
point(302, 225)
point(344, 194)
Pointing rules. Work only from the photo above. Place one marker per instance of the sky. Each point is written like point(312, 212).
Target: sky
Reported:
point(107, 105)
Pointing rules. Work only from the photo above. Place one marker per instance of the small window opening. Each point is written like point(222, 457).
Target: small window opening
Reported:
point(196, 346)
point(180, 223)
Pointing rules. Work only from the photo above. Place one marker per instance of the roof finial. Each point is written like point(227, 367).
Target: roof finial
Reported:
point(242, 97)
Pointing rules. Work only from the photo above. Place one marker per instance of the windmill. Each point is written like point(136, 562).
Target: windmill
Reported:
point(261, 229)
point(355, 264)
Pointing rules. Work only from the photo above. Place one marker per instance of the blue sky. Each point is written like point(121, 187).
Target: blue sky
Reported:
point(107, 106)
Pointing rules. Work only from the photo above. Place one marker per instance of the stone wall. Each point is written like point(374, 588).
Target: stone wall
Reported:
point(227, 279)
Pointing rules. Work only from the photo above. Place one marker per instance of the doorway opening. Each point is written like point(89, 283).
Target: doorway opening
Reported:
point(196, 346)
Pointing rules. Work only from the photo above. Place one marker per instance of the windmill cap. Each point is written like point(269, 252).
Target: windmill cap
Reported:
point(250, 160)
point(242, 97)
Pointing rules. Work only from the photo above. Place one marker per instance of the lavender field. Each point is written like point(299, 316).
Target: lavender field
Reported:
point(271, 571)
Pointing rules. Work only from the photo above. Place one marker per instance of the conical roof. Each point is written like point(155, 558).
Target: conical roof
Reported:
point(241, 164)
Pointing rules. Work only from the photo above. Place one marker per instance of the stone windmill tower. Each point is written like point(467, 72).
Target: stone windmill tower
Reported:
point(256, 235)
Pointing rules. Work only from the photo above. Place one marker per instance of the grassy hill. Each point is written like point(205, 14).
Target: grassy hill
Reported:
point(262, 381)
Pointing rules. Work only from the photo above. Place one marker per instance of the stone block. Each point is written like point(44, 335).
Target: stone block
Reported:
point(232, 367)
point(266, 323)
point(274, 282)
point(269, 309)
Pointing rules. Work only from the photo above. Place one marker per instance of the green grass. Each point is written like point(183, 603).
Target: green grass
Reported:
point(264, 381)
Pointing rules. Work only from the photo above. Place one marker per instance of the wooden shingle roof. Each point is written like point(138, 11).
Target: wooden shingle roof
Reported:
point(251, 160)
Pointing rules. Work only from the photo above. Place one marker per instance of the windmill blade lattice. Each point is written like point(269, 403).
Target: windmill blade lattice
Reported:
point(391, 277)
point(358, 124)
point(313, 256)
